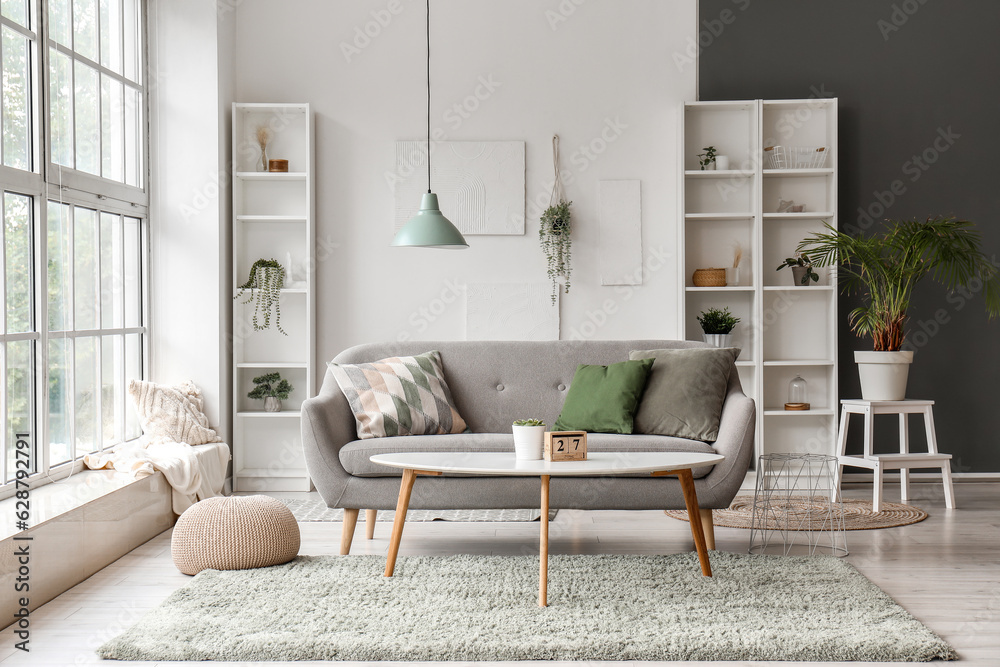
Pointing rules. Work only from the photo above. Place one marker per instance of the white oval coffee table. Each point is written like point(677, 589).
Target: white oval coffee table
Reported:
point(505, 464)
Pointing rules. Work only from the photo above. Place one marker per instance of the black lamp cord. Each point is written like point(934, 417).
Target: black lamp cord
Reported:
point(428, 96)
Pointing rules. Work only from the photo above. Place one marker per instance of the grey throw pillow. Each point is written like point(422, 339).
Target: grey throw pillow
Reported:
point(685, 392)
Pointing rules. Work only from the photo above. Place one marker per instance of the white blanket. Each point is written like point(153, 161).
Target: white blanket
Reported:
point(194, 472)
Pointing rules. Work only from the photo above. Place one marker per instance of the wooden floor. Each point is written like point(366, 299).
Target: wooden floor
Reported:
point(945, 570)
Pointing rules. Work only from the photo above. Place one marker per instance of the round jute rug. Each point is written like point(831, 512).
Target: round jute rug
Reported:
point(858, 514)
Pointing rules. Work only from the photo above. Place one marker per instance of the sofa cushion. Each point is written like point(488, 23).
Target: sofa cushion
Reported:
point(354, 456)
point(685, 392)
point(399, 396)
point(603, 399)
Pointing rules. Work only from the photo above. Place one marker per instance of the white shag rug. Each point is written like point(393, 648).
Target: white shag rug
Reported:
point(609, 607)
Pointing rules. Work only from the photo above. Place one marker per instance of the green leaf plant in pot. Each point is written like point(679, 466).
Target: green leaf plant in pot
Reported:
point(267, 278)
point(884, 268)
point(802, 269)
point(272, 389)
point(529, 436)
point(717, 326)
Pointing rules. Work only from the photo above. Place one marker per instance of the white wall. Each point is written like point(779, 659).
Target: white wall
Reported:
point(598, 67)
point(189, 247)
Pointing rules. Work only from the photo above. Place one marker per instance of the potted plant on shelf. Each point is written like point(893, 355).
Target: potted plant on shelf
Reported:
point(707, 159)
point(802, 269)
point(273, 389)
point(717, 326)
point(529, 437)
point(884, 269)
point(267, 278)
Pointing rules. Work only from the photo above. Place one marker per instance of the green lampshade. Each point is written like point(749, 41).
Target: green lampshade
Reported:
point(429, 228)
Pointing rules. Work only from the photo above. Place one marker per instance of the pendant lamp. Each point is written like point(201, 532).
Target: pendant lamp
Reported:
point(429, 228)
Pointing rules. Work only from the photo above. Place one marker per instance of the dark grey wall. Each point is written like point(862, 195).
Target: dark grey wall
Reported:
point(907, 72)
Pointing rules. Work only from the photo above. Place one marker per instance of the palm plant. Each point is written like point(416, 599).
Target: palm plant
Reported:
point(884, 269)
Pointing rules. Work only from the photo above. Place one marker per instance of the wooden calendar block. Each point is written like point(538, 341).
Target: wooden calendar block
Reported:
point(565, 446)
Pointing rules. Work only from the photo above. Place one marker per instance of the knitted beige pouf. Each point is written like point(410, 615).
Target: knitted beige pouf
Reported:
point(234, 533)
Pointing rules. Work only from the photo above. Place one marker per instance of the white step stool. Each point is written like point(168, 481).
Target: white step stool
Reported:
point(902, 461)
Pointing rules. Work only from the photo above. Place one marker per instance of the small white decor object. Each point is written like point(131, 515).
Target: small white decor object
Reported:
point(883, 374)
point(480, 182)
point(621, 232)
point(722, 162)
point(529, 437)
point(718, 340)
point(798, 394)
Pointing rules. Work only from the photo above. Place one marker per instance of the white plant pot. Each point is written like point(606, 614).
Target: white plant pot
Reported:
point(718, 340)
point(528, 442)
point(722, 162)
point(883, 374)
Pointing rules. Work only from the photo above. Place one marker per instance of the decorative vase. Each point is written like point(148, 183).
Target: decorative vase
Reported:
point(528, 442)
point(718, 340)
point(263, 164)
point(733, 276)
point(883, 374)
point(272, 404)
point(722, 162)
point(798, 273)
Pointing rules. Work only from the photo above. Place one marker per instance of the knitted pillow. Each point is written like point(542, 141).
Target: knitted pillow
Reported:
point(172, 414)
point(399, 396)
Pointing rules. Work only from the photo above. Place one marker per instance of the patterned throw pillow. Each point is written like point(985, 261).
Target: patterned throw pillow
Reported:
point(399, 396)
point(172, 414)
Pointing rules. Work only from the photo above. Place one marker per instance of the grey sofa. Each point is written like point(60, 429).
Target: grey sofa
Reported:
point(494, 383)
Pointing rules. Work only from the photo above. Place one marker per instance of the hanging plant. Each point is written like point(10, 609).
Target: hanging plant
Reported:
point(267, 277)
point(555, 232)
point(557, 245)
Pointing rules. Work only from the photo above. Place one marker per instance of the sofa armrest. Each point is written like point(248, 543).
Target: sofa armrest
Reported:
point(327, 425)
point(737, 431)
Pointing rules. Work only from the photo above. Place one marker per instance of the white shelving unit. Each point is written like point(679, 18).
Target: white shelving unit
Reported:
point(273, 219)
point(786, 330)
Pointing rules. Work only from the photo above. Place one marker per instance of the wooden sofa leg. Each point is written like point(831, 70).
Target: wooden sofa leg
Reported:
point(347, 536)
point(370, 516)
point(709, 527)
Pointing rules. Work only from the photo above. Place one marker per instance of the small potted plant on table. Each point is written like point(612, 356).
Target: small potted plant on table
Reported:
point(529, 437)
point(273, 389)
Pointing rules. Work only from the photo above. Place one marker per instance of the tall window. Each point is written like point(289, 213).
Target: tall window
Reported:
point(73, 174)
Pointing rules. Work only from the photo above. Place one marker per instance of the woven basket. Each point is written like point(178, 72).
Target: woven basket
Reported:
point(234, 533)
point(709, 278)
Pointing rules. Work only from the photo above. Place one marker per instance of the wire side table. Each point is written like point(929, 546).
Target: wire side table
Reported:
point(797, 509)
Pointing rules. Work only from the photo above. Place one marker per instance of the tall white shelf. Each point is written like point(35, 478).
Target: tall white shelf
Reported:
point(786, 330)
point(273, 218)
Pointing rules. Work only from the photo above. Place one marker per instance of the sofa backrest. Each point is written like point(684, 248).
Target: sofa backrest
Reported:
point(496, 382)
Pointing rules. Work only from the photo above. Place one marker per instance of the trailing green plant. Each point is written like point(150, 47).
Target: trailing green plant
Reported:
point(270, 385)
point(267, 277)
point(555, 233)
point(529, 422)
point(801, 261)
point(708, 157)
point(884, 268)
point(717, 321)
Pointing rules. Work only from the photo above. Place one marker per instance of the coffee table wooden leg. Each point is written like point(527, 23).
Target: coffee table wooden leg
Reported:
point(543, 547)
point(397, 525)
point(691, 501)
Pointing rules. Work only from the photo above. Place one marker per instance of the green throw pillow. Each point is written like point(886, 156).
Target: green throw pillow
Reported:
point(603, 399)
point(685, 392)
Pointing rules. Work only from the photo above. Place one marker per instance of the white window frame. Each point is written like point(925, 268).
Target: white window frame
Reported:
point(49, 181)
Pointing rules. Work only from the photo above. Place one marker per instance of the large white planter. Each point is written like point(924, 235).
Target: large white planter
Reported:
point(883, 374)
point(528, 442)
point(718, 340)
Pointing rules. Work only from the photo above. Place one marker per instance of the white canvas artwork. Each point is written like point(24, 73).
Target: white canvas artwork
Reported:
point(479, 184)
point(621, 233)
point(510, 311)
